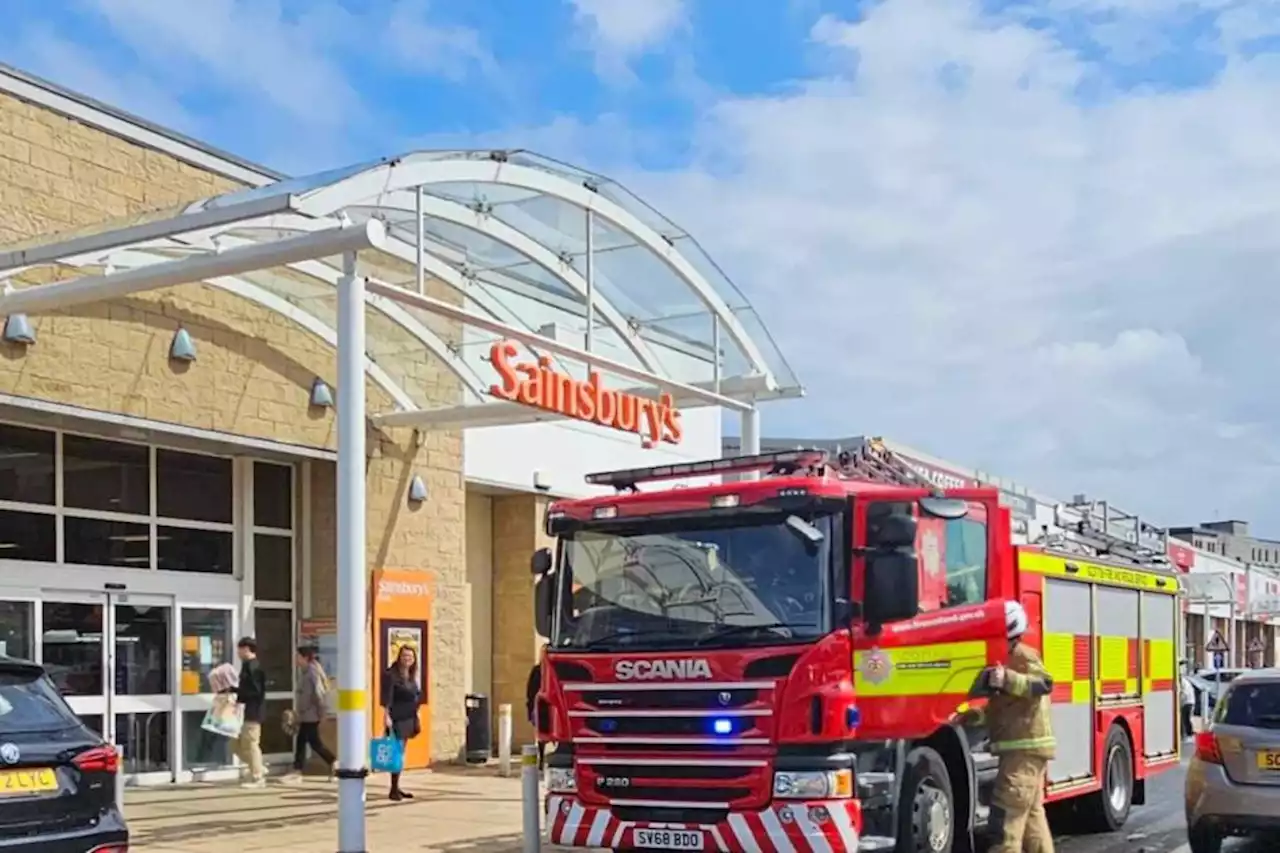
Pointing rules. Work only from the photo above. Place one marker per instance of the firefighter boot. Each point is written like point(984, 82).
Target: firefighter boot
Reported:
point(1017, 806)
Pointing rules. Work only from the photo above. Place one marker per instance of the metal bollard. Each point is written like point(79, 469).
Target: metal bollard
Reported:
point(504, 740)
point(119, 777)
point(529, 798)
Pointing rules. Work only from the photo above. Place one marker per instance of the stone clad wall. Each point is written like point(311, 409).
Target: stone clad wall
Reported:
point(252, 377)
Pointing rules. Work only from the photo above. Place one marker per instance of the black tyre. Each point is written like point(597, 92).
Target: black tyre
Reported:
point(1204, 839)
point(927, 811)
point(1107, 810)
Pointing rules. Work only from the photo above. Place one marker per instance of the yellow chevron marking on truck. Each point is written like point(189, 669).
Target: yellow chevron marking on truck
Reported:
point(919, 670)
point(1079, 569)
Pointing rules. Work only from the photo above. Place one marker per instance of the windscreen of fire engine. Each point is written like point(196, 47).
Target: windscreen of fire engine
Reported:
point(700, 584)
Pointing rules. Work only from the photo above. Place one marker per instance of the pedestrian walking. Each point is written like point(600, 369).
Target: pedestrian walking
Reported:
point(1188, 700)
point(310, 709)
point(1017, 718)
point(401, 698)
point(251, 693)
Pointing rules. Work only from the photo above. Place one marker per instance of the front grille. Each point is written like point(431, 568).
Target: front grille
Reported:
point(718, 772)
point(650, 814)
point(607, 700)
point(672, 726)
point(665, 792)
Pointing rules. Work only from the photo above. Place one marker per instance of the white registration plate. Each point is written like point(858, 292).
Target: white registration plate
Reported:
point(668, 839)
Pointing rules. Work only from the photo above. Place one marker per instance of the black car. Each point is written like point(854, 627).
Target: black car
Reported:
point(57, 777)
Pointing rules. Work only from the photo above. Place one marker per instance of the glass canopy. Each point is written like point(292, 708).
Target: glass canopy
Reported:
point(532, 243)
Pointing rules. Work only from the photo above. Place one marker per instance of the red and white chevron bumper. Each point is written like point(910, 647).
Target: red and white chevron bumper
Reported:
point(830, 826)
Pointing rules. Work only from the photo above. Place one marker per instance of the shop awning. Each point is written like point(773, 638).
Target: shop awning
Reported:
point(471, 248)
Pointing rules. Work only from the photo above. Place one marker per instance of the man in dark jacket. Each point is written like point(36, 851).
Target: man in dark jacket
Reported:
point(251, 692)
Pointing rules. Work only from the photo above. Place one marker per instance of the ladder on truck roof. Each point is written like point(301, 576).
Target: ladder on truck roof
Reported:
point(870, 461)
point(1091, 535)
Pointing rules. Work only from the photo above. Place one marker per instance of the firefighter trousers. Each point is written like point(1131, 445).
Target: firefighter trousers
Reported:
point(1018, 823)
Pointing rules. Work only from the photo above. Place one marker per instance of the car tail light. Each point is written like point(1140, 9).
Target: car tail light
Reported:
point(100, 759)
point(111, 848)
point(1207, 747)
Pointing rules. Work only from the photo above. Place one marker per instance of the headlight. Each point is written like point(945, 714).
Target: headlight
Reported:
point(560, 780)
point(813, 785)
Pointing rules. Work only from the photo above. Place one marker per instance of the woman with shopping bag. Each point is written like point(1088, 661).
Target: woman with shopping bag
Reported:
point(401, 698)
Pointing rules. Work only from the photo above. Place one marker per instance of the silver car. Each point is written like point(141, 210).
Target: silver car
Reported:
point(1233, 783)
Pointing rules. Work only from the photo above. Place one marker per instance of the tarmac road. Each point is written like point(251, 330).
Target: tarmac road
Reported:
point(1157, 827)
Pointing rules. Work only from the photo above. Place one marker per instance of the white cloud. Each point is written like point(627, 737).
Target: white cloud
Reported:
point(1078, 295)
point(618, 31)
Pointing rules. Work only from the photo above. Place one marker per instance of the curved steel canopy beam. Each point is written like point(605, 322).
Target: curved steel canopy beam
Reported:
point(501, 232)
point(412, 172)
point(433, 264)
point(258, 294)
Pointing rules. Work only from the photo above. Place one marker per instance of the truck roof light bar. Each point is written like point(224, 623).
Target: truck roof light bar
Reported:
point(783, 462)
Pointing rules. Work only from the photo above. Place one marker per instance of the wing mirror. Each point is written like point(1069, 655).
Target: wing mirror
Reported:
point(891, 591)
point(540, 562)
point(891, 530)
point(544, 604)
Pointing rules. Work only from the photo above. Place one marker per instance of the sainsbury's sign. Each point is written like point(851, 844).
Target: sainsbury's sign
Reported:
point(540, 385)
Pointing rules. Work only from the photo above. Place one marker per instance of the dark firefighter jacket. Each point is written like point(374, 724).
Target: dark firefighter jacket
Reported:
point(1017, 715)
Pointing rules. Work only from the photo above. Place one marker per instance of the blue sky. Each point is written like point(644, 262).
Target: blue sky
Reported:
point(1038, 236)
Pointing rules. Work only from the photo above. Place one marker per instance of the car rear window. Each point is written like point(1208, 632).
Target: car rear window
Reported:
point(29, 702)
point(1253, 705)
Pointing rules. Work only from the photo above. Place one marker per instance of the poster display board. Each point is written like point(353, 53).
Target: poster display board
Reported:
point(402, 603)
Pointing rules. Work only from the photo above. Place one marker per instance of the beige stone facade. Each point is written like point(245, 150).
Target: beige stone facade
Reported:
point(252, 377)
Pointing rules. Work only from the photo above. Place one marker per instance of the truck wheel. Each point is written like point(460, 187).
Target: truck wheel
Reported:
point(926, 810)
point(1108, 809)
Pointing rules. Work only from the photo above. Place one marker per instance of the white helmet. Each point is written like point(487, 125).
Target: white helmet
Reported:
point(1015, 619)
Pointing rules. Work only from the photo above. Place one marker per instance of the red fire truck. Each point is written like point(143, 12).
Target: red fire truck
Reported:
point(782, 662)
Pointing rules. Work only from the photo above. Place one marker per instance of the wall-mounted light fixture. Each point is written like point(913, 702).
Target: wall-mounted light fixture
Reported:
point(321, 394)
point(18, 330)
point(417, 490)
point(182, 348)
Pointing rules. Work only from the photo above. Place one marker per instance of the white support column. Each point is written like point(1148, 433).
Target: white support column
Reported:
point(353, 703)
point(421, 231)
point(750, 431)
point(590, 278)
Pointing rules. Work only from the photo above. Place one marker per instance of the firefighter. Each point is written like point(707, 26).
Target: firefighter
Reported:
point(1017, 718)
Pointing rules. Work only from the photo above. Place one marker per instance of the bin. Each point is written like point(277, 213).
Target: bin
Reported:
point(479, 729)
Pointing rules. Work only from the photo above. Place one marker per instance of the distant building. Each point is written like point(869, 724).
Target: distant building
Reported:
point(1231, 539)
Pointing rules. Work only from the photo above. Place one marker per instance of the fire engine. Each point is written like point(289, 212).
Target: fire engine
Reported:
point(782, 661)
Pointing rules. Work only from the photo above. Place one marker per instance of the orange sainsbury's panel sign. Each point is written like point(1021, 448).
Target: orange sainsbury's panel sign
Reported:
point(543, 387)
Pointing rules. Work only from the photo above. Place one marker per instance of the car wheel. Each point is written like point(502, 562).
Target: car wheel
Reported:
point(1203, 839)
point(1108, 809)
point(926, 816)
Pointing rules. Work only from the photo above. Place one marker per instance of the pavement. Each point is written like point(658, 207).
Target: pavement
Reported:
point(473, 810)
point(464, 810)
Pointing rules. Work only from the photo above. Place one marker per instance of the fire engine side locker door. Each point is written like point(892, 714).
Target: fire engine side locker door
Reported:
point(1067, 648)
point(1160, 687)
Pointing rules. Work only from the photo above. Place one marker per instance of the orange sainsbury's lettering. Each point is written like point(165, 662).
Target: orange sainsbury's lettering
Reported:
point(543, 387)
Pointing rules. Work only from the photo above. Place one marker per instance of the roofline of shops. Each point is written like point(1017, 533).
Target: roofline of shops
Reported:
point(124, 125)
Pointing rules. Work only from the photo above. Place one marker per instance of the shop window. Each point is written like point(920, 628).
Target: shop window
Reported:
point(27, 465)
point(107, 476)
point(193, 486)
point(275, 740)
point(273, 567)
point(96, 542)
point(272, 496)
point(28, 536)
point(273, 629)
point(185, 549)
point(17, 629)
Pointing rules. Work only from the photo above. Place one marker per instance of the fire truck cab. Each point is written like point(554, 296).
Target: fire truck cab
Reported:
point(783, 662)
